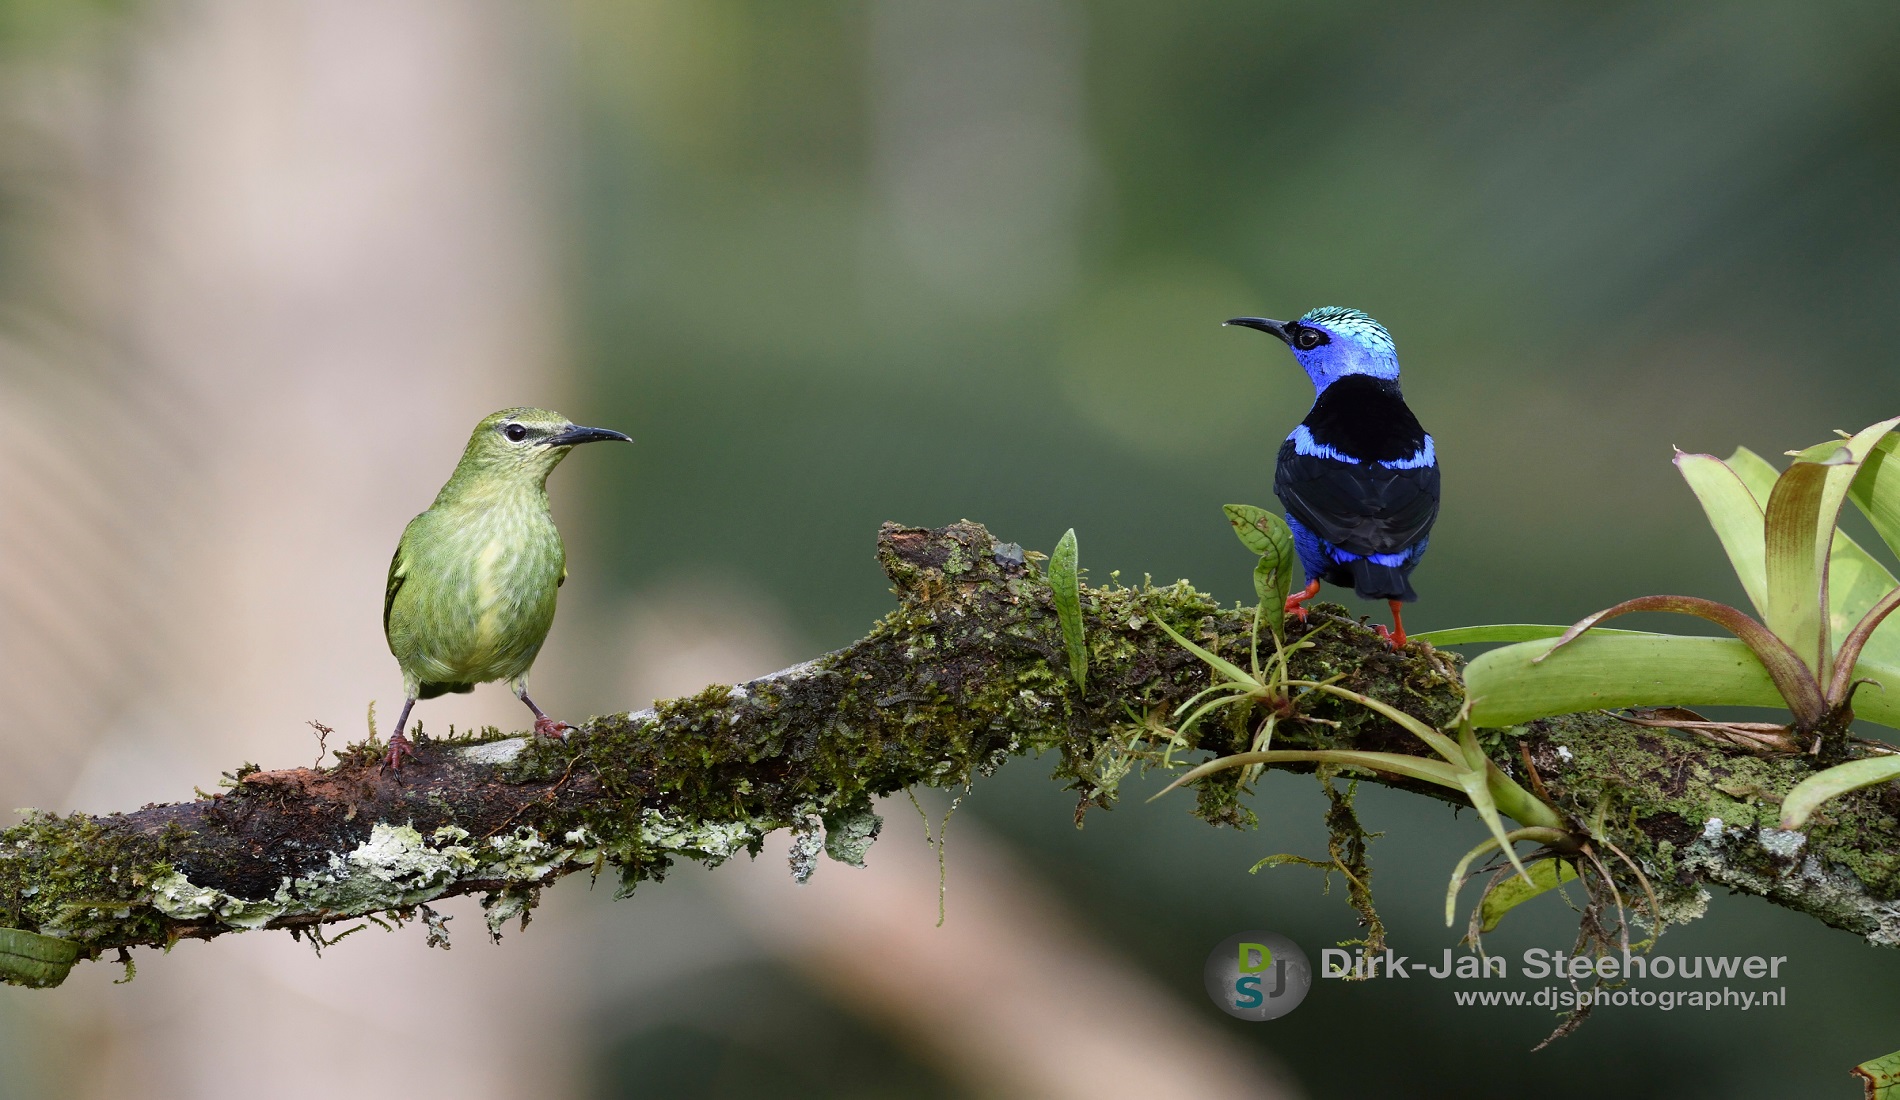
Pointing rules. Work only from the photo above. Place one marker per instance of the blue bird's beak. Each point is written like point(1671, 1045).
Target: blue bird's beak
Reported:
point(577, 435)
point(1275, 329)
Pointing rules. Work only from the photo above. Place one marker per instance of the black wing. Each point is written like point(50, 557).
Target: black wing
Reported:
point(1363, 508)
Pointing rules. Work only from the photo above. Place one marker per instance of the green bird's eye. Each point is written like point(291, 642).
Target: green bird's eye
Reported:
point(515, 432)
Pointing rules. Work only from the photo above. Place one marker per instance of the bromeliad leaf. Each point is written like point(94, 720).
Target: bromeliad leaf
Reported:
point(1876, 490)
point(1803, 512)
point(1509, 632)
point(1735, 514)
point(1608, 670)
point(1798, 687)
point(1855, 578)
point(1808, 794)
point(1795, 571)
point(1065, 589)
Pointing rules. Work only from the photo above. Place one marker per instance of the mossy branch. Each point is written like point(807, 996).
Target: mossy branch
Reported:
point(971, 668)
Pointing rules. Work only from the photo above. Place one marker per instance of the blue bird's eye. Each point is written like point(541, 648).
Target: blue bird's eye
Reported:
point(515, 432)
point(1306, 339)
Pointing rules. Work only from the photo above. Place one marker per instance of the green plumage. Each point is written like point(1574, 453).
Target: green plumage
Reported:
point(472, 586)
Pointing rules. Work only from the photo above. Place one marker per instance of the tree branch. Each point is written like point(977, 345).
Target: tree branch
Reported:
point(968, 670)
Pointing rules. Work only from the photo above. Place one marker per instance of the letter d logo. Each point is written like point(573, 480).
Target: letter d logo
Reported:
point(1261, 958)
point(1258, 975)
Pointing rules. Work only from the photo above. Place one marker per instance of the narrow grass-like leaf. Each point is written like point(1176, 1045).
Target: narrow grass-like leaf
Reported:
point(1798, 687)
point(1876, 491)
point(1442, 745)
point(1808, 794)
point(1507, 632)
point(1736, 516)
point(1476, 781)
point(30, 959)
point(1220, 664)
point(1065, 588)
point(1411, 767)
point(1215, 705)
point(1542, 836)
point(1546, 875)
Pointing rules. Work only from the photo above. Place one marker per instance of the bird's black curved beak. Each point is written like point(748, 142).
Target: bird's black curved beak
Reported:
point(1275, 329)
point(575, 436)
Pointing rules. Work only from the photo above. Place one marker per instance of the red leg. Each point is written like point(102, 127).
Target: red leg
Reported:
point(1295, 603)
point(543, 725)
point(400, 746)
point(1396, 636)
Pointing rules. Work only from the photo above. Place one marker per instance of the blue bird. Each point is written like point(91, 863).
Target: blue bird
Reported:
point(1359, 476)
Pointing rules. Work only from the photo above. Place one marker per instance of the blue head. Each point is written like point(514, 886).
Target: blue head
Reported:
point(1331, 342)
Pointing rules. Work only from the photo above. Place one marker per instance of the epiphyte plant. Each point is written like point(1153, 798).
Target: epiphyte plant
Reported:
point(1462, 765)
point(1809, 582)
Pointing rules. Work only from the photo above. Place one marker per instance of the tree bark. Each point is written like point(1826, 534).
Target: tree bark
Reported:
point(969, 669)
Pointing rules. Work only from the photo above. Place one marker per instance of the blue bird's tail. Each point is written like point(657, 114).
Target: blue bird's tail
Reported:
point(1373, 581)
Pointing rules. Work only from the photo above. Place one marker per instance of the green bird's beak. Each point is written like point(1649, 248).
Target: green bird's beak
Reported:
point(1275, 329)
point(576, 436)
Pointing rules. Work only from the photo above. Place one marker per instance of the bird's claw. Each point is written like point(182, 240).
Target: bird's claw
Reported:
point(1296, 608)
point(1393, 641)
point(551, 729)
point(399, 747)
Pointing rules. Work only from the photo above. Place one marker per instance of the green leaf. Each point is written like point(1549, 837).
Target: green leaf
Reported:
point(1271, 584)
point(1756, 472)
point(1442, 745)
point(1220, 664)
point(1476, 782)
point(1546, 875)
point(1066, 591)
point(1882, 1075)
point(1856, 580)
point(1794, 572)
point(1544, 836)
point(1736, 516)
point(1412, 767)
point(1799, 688)
point(1847, 661)
point(1808, 794)
point(1602, 670)
point(1256, 528)
point(1876, 491)
point(1803, 512)
point(1508, 632)
point(33, 960)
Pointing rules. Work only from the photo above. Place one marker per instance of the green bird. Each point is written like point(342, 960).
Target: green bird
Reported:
point(472, 586)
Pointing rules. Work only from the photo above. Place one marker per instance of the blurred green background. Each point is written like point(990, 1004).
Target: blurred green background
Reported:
point(839, 263)
point(843, 264)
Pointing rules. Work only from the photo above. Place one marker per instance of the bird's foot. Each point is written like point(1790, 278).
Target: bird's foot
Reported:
point(399, 747)
point(1396, 636)
point(551, 729)
point(1296, 603)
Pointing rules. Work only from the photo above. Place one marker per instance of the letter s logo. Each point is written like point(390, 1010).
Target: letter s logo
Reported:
point(1247, 992)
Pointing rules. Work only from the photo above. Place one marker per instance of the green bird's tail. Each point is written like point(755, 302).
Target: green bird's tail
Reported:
point(430, 691)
